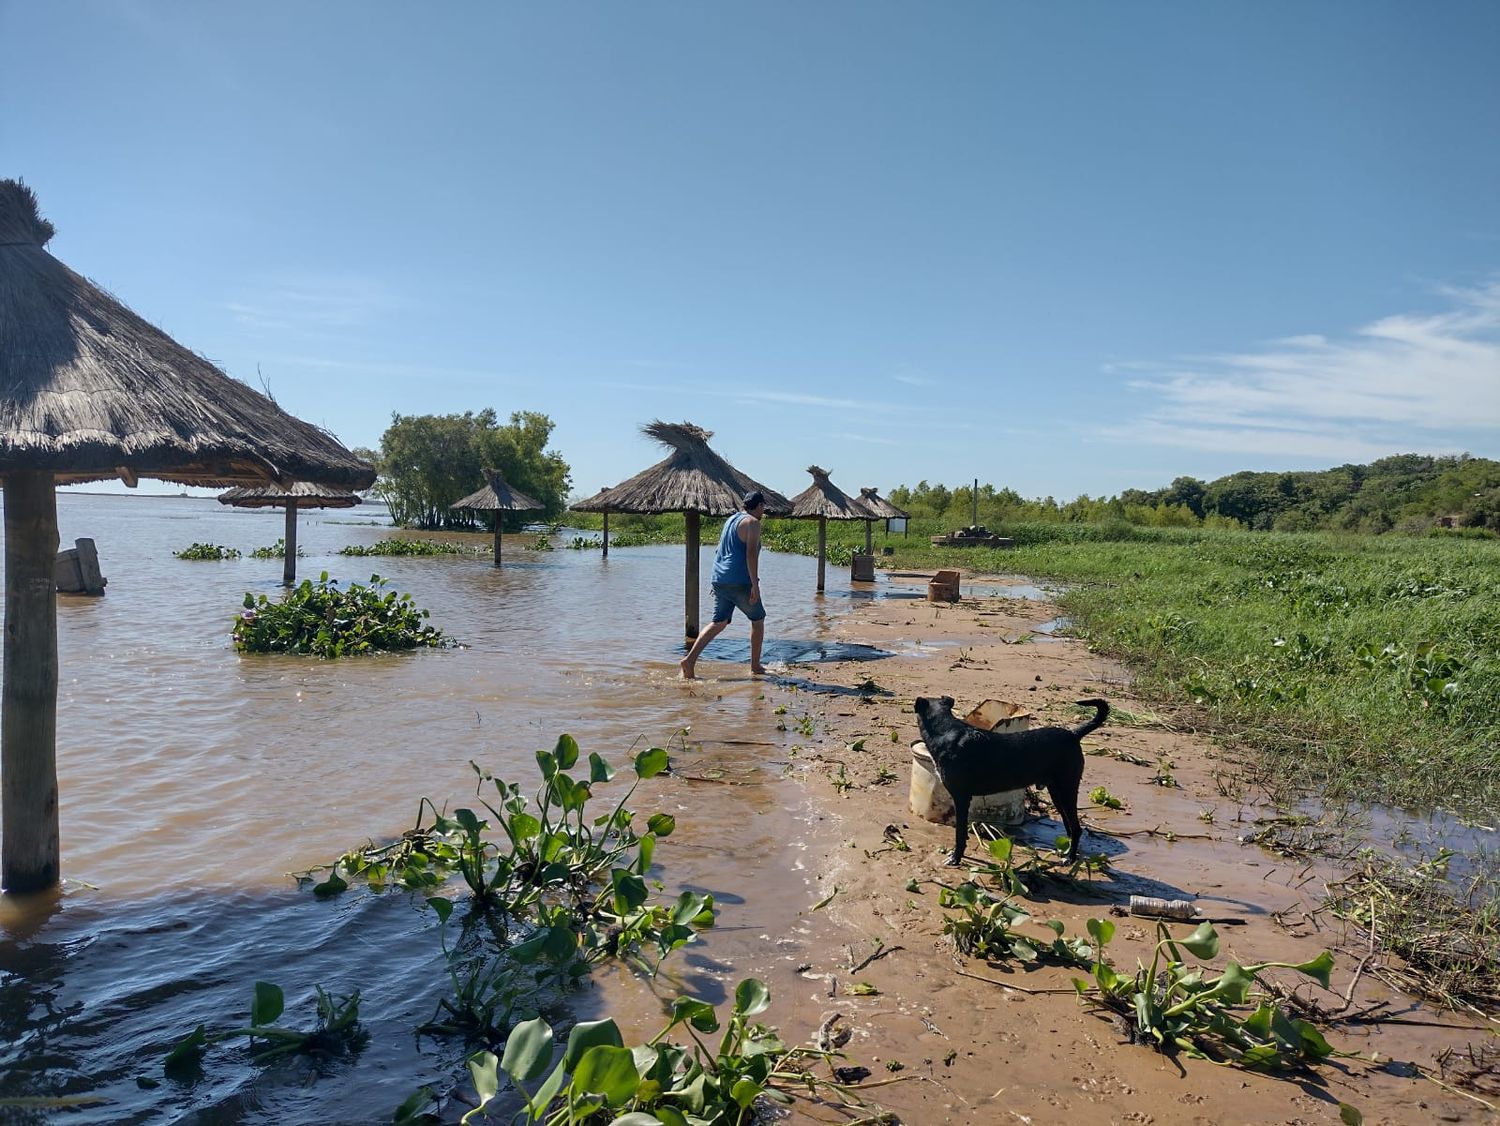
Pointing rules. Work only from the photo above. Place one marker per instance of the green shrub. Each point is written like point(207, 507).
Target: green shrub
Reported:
point(325, 621)
point(207, 551)
point(276, 551)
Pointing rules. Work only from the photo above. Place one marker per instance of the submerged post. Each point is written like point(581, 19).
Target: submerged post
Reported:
point(29, 849)
point(289, 564)
point(606, 535)
point(690, 578)
point(822, 549)
point(499, 530)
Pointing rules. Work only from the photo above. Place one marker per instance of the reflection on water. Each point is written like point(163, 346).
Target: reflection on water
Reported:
point(193, 780)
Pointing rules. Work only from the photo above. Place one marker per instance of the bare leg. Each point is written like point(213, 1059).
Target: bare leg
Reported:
point(757, 636)
point(686, 666)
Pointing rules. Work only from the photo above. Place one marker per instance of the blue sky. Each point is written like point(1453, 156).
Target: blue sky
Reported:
point(1069, 248)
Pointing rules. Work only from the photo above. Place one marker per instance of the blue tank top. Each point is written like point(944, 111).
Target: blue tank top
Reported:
point(730, 566)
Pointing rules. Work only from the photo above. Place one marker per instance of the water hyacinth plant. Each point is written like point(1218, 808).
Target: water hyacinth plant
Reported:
point(406, 547)
point(210, 551)
point(321, 620)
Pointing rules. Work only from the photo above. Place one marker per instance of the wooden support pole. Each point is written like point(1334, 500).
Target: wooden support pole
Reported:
point(606, 535)
point(822, 549)
point(30, 856)
point(499, 531)
point(289, 564)
point(690, 577)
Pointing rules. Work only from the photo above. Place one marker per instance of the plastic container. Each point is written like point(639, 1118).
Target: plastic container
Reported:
point(1153, 908)
point(929, 798)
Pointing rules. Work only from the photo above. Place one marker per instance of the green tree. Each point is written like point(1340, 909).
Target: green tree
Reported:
point(429, 461)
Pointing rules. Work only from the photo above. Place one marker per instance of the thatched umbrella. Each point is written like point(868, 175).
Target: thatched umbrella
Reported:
point(292, 497)
point(88, 391)
point(880, 509)
point(824, 501)
point(499, 498)
point(692, 480)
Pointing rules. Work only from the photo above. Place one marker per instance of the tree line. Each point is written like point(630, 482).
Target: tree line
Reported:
point(1406, 492)
point(427, 462)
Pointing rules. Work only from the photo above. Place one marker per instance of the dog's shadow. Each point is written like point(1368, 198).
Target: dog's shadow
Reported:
point(1087, 883)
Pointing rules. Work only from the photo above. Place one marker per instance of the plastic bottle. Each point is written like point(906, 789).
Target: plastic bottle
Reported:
point(1155, 908)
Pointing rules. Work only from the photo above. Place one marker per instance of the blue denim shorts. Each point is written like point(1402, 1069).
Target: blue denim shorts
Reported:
point(728, 596)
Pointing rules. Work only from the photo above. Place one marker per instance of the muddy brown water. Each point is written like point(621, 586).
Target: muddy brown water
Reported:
point(193, 780)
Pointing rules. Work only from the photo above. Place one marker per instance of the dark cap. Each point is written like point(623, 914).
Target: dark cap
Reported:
point(754, 499)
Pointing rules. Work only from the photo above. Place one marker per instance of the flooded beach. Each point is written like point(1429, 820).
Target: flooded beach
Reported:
point(193, 780)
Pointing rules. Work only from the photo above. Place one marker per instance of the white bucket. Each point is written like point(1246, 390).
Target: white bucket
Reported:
point(930, 800)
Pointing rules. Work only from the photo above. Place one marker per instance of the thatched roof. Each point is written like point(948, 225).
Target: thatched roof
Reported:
point(89, 390)
point(303, 494)
point(879, 507)
point(824, 498)
point(497, 495)
point(692, 478)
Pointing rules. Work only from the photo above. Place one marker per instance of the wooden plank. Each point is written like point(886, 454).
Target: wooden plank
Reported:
point(29, 848)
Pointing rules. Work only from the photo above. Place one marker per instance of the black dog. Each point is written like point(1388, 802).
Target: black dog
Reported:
point(972, 762)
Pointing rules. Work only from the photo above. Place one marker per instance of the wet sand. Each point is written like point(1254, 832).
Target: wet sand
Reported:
point(979, 1043)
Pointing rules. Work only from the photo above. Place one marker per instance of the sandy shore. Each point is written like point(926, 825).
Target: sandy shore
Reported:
point(979, 1043)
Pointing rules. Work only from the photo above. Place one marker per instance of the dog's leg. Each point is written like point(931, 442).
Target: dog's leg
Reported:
point(1064, 795)
point(960, 829)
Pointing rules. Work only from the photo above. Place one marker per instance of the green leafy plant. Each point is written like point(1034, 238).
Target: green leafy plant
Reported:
point(277, 550)
point(405, 547)
point(1175, 1006)
point(338, 1032)
point(209, 551)
point(600, 1080)
point(1100, 796)
point(324, 621)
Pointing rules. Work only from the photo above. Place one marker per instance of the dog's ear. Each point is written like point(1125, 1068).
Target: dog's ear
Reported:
point(947, 702)
point(919, 705)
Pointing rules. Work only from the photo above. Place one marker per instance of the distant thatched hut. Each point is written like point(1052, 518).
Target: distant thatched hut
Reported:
point(824, 501)
point(92, 391)
point(880, 509)
point(692, 480)
point(292, 497)
point(499, 498)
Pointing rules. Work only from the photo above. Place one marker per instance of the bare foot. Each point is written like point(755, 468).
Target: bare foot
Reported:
point(685, 670)
point(757, 670)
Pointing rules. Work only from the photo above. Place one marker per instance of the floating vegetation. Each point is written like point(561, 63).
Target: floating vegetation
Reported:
point(404, 547)
point(276, 551)
point(321, 620)
point(209, 551)
point(338, 1033)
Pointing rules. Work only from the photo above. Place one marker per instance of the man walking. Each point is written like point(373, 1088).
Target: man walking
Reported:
point(736, 583)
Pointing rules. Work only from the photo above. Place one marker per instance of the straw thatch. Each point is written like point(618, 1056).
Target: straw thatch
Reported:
point(497, 496)
point(303, 494)
point(90, 390)
point(879, 507)
point(825, 499)
point(692, 478)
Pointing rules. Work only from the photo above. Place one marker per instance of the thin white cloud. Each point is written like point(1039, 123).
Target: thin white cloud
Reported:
point(867, 438)
point(317, 303)
point(1405, 381)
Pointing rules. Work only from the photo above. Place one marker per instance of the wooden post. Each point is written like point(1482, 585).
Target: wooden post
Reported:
point(690, 578)
point(499, 531)
point(606, 535)
point(289, 564)
point(29, 850)
point(822, 549)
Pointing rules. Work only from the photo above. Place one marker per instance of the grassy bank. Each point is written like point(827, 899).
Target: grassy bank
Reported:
point(1367, 666)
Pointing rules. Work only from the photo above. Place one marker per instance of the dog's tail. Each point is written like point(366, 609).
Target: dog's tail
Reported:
point(1097, 721)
